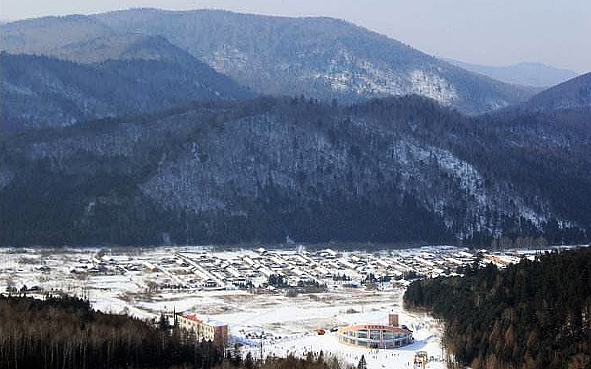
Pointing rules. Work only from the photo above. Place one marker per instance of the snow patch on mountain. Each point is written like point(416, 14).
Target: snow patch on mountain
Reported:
point(363, 78)
point(418, 163)
point(348, 74)
point(227, 58)
point(411, 154)
point(10, 87)
point(431, 85)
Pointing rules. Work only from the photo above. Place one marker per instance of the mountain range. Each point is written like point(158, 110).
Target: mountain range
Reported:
point(321, 58)
point(123, 130)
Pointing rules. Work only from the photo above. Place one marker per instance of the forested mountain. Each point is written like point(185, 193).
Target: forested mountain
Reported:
point(319, 57)
point(524, 74)
point(125, 46)
point(65, 333)
point(42, 36)
point(41, 92)
point(395, 169)
point(535, 314)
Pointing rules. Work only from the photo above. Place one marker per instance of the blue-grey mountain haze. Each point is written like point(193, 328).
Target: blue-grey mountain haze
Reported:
point(524, 74)
point(489, 32)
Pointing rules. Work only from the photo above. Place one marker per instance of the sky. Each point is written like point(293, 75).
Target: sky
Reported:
point(489, 32)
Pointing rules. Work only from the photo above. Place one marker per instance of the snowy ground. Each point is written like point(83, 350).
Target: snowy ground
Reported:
point(289, 328)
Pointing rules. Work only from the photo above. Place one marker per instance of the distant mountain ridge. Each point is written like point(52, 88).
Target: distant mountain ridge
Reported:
point(524, 74)
point(44, 35)
point(319, 57)
point(572, 94)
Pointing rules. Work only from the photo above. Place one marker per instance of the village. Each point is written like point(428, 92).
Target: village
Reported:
point(289, 300)
point(200, 268)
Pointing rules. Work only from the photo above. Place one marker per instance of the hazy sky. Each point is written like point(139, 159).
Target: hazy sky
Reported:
point(492, 32)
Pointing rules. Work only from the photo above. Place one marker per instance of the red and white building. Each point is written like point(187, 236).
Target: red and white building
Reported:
point(206, 329)
point(376, 336)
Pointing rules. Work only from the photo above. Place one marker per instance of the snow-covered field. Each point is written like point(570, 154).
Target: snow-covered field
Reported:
point(288, 327)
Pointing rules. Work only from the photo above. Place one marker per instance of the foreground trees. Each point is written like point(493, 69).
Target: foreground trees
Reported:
point(64, 333)
point(535, 314)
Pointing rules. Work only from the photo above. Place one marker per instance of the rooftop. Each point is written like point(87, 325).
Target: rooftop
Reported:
point(208, 321)
point(358, 327)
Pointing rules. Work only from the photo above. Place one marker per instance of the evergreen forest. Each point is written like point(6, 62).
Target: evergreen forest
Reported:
point(534, 314)
point(266, 170)
point(66, 333)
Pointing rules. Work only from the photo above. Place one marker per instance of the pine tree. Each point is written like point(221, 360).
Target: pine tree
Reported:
point(237, 356)
point(162, 322)
point(248, 361)
point(362, 364)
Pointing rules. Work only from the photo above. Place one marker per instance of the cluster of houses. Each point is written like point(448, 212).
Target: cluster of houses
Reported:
point(187, 268)
point(259, 270)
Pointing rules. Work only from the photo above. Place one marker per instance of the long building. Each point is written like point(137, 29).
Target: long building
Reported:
point(376, 335)
point(206, 329)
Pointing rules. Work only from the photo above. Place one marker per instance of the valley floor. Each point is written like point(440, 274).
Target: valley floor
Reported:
point(289, 328)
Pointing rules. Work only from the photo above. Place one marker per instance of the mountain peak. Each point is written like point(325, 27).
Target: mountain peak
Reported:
point(123, 46)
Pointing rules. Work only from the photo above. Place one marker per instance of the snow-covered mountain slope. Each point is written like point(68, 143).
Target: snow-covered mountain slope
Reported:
point(319, 57)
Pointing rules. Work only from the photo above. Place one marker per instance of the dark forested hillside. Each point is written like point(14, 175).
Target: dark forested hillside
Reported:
point(389, 170)
point(535, 314)
point(65, 333)
point(41, 92)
